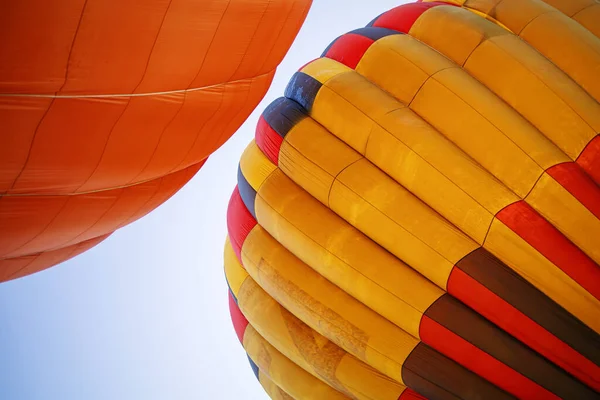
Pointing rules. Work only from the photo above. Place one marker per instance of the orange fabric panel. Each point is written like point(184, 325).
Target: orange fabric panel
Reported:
point(168, 186)
point(236, 41)
point(237, 102)
point(153, 45)
point(35, 60)
point(124, 155)
point(104, 149)
point(125, 36)
point(14, 268)
point(20, 117)
point(182, 45)
point(39, 223)
point(25, 218)
point(108, 107)
point(268, 45)
point(67, 145)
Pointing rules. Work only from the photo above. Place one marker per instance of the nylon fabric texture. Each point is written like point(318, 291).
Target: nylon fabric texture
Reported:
point(108, 107)
point(418, 215)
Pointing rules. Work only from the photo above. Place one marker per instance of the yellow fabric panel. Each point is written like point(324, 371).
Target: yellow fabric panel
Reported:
point(284, 331)
point(430, 181)
point(499, 116)
point(333, 313)
point(454, 31)
point(590, 19)
point(312, 157)
point(285, 374)
point(372, 202)
point(401, 55)
point(457, 2)
point(504, 11)
point(322, 69)
point(472, 132)
point(538, 90)
point(414, 154)
point(521, 76)
point(255, 165)
point(303, 346)
point(419, 136)
point(274, 391)
point(350, 121)
point(367, 101)
point(342, 254)
point(539, 271)
point(281, 329)
point(489, 18)
point(236, 275)
point(263, 312)
point(384, 388)
point(416, 62)
point(570, 7)
point(567, 214)
point(567, 44)
point(398, 221)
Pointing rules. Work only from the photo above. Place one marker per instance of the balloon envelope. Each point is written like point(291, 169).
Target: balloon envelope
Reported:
point(419, 215)
point(108, 107)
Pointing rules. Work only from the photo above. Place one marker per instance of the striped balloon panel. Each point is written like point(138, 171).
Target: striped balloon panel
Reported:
point(305, 364)
point(426, 197)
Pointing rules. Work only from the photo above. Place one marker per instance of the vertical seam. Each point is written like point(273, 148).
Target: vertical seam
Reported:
point(153, 46)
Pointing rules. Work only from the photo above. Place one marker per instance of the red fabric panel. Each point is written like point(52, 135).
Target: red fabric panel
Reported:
point(545, 238)
point(410, 394)
point(239, 321)
point(573, 178)
point(589, 160)
point(495, 309)
point(403, 17)
point(268, 140)
point(239, 222)
point(484, 365)
point(349, 49)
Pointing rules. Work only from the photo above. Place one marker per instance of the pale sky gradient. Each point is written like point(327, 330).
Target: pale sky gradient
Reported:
point(144, 315)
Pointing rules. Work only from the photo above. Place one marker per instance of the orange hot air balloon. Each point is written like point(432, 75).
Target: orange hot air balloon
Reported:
point(419, 215)
point(108, 107)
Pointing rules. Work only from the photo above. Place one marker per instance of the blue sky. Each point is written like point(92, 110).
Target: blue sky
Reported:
point(144, 315)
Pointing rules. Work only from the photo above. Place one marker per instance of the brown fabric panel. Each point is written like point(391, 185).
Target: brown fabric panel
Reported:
point(437, 377)
point(486, 336)
point(484, 267)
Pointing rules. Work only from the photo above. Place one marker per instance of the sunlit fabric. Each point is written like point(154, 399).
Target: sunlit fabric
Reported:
point(108, 107)
point(419, 215)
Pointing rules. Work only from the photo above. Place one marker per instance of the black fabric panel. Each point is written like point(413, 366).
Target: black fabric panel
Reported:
point(466, 323)
point(282, 114)
point(437, 377)
point(232, 295)
point(371, 32)
point(247, 192)
point(253, 366)
point(488, 270)
point(375, 33)
point(303, 89)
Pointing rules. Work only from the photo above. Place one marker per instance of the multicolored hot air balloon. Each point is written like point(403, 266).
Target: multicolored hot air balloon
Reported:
point(419, 216)
point(108, 107)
